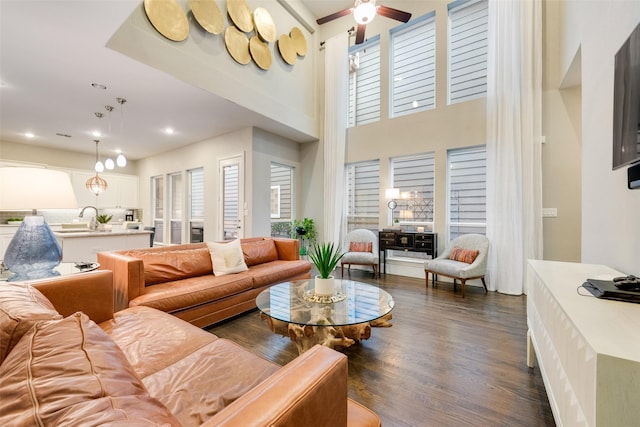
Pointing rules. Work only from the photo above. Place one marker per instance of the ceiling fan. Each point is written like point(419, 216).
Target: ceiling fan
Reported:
point(363, 12)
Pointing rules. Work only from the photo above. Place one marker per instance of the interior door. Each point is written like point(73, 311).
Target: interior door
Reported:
point(231, 217)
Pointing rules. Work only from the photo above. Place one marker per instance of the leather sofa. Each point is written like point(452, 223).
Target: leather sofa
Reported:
point(67, 359)
point(180, 280)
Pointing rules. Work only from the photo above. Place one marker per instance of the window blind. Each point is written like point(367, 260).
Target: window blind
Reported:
point(197, 193)
point(283, 176)
point(467, 174)
point(363, 193)
point(415, 177)
point(468, 26)
point(364, 82)
point(413, 66)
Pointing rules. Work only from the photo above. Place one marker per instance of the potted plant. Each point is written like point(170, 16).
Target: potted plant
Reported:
point(14, 221)
point(103, 222)
point(304, 230)
point(325, 257)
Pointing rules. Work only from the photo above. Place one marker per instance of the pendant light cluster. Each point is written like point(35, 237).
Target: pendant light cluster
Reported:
point(97, 184)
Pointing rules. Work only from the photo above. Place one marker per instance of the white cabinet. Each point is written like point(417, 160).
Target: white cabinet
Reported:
point(588, 349)
point(77, 247)
point(122, 190)
point(6, 234)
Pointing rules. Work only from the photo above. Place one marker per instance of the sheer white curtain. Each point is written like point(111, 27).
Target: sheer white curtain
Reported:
point(514, 131)
point(336, 102)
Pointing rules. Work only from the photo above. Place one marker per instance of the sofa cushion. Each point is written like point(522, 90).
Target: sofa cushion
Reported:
point(66, 372)
point(21, 306)
point(167, 265)
point(259, 252)
point(278, 271)
point(227, 258)
point(463, 255)
point(152, 340)
point(180, 387)
point(186, 293)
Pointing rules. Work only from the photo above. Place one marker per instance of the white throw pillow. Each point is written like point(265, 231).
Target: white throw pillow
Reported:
point(227, 258)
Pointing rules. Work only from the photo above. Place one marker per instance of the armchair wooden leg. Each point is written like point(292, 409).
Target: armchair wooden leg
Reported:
point(341, 270)
point(455, 285)
point(463, 281)
point(484, 284)
point(426, 280)
point(375, 271)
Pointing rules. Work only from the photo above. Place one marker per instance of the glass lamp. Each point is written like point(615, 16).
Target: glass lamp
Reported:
point(364, 11)
point(34, 252)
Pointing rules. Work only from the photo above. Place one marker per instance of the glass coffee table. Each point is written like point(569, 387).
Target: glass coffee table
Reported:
point(291, 310)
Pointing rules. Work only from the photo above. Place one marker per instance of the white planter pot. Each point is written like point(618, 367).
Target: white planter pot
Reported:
point(324, 286)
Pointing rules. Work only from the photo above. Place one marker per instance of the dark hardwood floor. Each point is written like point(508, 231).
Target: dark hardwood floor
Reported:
point(446, 361)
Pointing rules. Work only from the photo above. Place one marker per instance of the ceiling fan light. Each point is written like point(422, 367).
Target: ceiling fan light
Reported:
point(364, 12)
point(121, 160)
point(99, 166)
point(109, 163)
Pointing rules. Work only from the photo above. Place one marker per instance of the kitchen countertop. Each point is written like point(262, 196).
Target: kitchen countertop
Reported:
point(75, 234)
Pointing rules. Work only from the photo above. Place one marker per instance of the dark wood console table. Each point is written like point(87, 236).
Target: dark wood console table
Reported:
point(405, 241)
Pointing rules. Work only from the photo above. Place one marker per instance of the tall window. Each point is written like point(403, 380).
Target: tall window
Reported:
point(414, 177)
point(363, 193)
point(176, 200)
point(281, 199)
point(467, 173)
point(468, 26)
point(413, 66)
point(157, 203)
point(196, 205)
point(364, 82)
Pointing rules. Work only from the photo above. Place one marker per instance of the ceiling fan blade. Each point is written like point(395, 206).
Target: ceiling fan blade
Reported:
point(360, 33)
point(392, 13)
point(333, 16)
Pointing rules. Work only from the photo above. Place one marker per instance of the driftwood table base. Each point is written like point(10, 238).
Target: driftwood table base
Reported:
point(306, 336)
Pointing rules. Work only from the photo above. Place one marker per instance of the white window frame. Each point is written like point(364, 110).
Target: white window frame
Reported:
point(412, 74)
point(196, 192)
point(176, 199)
point(155, 219)
point(364, 71)
point(475, 168)
point(370, 170)
point(467, 50)
point(420, 200)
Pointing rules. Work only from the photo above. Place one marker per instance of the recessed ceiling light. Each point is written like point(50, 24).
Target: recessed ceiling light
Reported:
point(96, 134)
point(98, 86)
point(169, 131)
point(29, 135)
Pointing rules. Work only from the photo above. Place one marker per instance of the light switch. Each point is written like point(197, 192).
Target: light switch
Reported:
point(549, 212)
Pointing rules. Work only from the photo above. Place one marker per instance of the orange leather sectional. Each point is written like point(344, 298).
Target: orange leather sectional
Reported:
point(67, 359)
point(179, 279)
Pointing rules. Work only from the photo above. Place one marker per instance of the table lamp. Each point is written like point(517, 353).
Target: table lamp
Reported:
point(34, 252)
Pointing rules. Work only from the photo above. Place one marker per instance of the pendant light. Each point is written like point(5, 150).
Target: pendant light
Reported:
point(96, 184)
point(121, 160)
point(109, 162)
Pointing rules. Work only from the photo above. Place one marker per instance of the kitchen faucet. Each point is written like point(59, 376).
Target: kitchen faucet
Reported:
point(93, 224)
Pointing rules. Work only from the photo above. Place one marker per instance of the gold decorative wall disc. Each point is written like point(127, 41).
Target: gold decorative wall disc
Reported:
point(237, 44)
point(287, 49)
point(240, 14)
point(208, 15)
point(299, 41)
point(260, 52)
point(265, 27)
point(167, 18)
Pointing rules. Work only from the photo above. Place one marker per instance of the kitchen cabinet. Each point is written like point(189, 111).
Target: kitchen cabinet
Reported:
point(83, 246)
point(122, 190)
point(6, 234)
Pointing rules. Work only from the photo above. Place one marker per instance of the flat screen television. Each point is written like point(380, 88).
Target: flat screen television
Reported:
point(626, 102)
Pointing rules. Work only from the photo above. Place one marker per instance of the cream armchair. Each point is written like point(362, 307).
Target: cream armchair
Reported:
point(456, 269)
point(360, 248)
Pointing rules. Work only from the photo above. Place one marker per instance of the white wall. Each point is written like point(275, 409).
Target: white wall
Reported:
point(284, 94)
point(610, 212)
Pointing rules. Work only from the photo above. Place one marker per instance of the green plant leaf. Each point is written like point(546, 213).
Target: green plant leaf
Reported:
point(325, 257)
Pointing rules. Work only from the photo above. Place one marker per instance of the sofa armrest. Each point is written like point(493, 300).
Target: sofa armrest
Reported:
point(288, 249)
point(91, 293)
point(128, 277)
point(310, 390)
